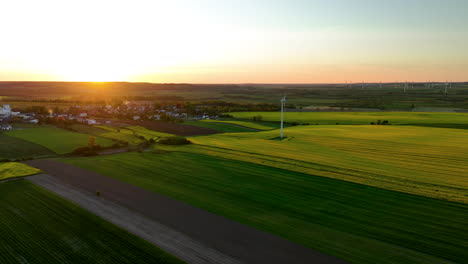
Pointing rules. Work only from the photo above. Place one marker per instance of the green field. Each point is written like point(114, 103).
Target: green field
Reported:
point(132, 134)
point(455, 120)
point(144, 132)
point(122, 137)
point(10, 170)
point(246, 124)
point(86, 129)
point(425, 161)
point(55, 139)
point(37, 226)
point(221, 127)
point(15, 148)
point(357, 223)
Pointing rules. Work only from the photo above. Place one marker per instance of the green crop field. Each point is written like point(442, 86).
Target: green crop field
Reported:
point(58, 140)
point(130, 134)
point(122, 137)
point(357, 223)
point(418, 160)
point(246, 124)
point(37, 226)
point(15, 148)
point(221, 127)
point(456, 120)
point(85, 129)
point(10, 170)
point(144, 132)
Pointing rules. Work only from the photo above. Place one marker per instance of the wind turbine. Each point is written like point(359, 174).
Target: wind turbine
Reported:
point(283, 103)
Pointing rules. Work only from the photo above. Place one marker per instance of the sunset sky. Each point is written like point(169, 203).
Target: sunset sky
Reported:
point(235, 41)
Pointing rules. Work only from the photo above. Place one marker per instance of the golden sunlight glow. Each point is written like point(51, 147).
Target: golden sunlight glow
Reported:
point(207, 41)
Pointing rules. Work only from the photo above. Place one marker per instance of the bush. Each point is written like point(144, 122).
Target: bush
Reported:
point(257, 118)
point(174, 141)
point(88, 151)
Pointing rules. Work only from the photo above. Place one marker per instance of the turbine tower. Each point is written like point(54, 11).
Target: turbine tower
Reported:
point(283, 104)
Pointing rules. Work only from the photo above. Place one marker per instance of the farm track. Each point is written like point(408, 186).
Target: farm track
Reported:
point(160, 235)
point(241, 242)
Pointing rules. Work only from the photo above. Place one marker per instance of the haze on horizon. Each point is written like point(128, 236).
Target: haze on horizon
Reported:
point(235, 41)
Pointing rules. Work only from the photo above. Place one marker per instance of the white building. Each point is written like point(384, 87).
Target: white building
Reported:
point(5, 111)
point(91, 121)
point(6, 127)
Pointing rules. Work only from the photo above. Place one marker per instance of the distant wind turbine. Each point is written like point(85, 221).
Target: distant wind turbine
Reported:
point(283, 104)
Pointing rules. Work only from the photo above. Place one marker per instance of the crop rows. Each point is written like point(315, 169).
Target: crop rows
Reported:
point(434, 168)
point(355, 222)
point(39, 227)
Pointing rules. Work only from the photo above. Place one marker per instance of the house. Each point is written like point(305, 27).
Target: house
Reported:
point(5, 111)
point(136, 117)
point(5, 127)
point(91, 122)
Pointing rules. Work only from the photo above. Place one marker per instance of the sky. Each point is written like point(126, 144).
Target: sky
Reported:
point(234, 41)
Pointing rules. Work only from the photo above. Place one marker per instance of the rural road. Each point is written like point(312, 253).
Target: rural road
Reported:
point(240, 242)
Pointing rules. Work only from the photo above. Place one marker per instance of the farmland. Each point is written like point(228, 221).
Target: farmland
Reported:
point(424, 161)
point(144, 132)
point(15, 148)
point(390, 96)
point(220, 127)
point(447, 120)
point(39, 227)
point(10, 170)
point(122, 137)
point(336, 217)
point(251, 125)
point(55, 139)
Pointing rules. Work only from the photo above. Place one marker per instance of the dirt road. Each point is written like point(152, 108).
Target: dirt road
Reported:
point(238, 241)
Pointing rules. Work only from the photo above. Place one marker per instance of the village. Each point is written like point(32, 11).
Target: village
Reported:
point(96, 114)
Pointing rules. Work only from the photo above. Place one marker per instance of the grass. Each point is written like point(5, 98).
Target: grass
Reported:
point(37, 226)
point(10, 170)
point(221, 127)
point(144, 132)
point(85, 129)
point(246, 124)
point(430, 162)
point(122, 137)
point(357, 223)
point(57, 140)
point(132, 134)
point(362, 118)
point(15, 148)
